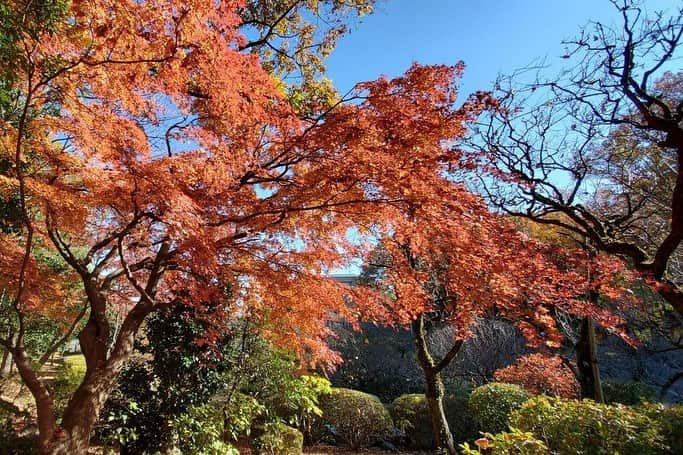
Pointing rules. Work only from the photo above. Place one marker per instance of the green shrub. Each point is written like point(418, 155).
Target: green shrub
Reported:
point(461, 421)
point(285, 394)
point(358, 418)
point(298, 401)
point(670, 420)
point(492, 404)
point(411, 415)
point(280, 439)
point(239, 414)
point(515, 442)
point(200, 431)
point(571, 426)
point(628, 393)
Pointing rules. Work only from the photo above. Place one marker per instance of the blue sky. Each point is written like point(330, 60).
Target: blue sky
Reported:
point(490, 36)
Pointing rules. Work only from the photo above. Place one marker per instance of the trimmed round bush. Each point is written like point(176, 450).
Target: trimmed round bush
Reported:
point(628, 393)
point(461, 421)
point(411, 415)
point(492, 404)
point(358, 419)
point(572, 426)
point(279, 439)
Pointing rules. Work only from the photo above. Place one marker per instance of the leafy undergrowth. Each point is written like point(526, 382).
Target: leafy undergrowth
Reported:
point(322, 449)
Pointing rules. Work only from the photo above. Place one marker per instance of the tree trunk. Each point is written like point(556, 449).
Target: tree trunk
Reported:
point(6, 364)
point(587, 362)
point(83, 410)
point(44, 405)
point(434, 391)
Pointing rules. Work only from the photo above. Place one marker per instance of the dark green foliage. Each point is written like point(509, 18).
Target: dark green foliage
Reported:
point(17, 17)
point(571, 426)
point(492, 404)
point(461, 421)
point(177, 371)
point(411, 415)
point(358, 418)
point(279, 439)
point(629, 393)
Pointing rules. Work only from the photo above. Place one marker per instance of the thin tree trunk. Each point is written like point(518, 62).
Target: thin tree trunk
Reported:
point(6, 365)
point(434, 390)
point(587, 362)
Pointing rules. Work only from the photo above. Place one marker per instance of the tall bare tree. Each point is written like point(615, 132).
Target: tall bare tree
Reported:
point(597, 150)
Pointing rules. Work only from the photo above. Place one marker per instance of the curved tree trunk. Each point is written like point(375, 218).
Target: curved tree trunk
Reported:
point(83, 410)
point(434, 388)
point(44, 405)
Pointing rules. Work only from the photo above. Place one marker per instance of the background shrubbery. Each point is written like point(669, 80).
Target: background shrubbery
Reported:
point(358, 419)
point(411, 415)
point(571, 427)
point(493, 403)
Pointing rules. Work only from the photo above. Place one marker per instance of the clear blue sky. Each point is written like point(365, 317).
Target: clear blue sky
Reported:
point(490, 36)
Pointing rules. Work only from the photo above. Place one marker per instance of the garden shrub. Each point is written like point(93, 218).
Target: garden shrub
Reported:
point(239, 415)
point(492, 404)
point(670, 420)
point(514, 442)
point(411, 415)
point(359, 419)
point(628, 393)
point(279, 439)
point(541, 374)
point(286, 395)
point(200, 431)
point(571, 426)
point(461, 421)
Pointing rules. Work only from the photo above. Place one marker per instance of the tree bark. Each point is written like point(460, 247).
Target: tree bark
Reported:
point(83, 410)
point(587, 362)
point(434, 390)
point(44, 405)
point(6, 364)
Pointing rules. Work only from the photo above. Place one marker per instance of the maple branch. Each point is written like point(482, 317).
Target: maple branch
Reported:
point(117, 234)
point(58, 342)
point(286, 210)
point(266, 36)
point(111, 277)
point(450, 355)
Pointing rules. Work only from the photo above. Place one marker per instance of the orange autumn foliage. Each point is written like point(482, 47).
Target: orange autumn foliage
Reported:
point(168, 166)
point(541, 374)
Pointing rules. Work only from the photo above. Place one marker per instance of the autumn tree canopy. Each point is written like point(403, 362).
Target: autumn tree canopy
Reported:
point(149, 149)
